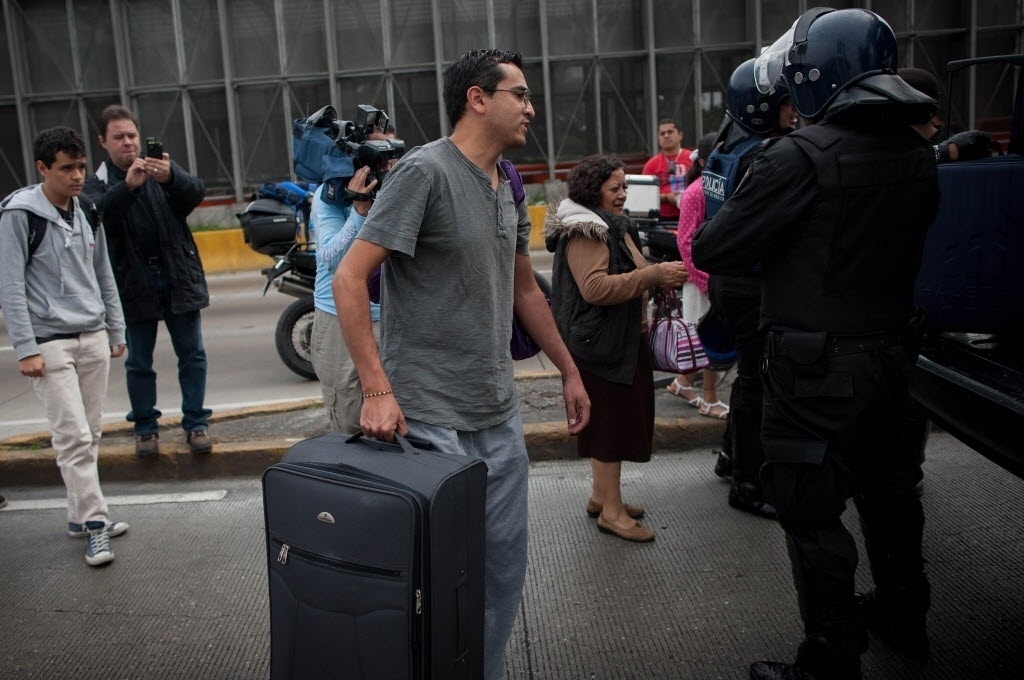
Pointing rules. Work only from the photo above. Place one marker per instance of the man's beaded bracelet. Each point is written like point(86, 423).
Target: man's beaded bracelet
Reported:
point(376, 394)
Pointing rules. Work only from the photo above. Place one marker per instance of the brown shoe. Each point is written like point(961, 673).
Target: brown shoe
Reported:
point(199, 442)
point(637, 533)
point(147, 445)
point(594, 509)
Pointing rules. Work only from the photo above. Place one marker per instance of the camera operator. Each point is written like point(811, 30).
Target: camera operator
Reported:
point(336, 223)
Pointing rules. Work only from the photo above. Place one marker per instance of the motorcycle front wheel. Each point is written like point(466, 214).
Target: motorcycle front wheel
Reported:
point(293, 337)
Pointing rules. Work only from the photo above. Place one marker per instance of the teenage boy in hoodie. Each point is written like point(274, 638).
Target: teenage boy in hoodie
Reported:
point(64, 318)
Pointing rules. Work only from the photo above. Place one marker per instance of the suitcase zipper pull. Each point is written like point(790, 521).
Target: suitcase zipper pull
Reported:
point(419, 601)
point(282, 556)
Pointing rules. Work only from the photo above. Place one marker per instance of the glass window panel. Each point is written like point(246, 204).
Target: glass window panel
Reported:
point(265, 136)
point(305, 46)
point(620, 26)
point(213, 141)
point(941, 14)
point(623, 105)
point(573, 112)
point(47, 48)
point(359, 35)
point(160, 116)
point(201, 28)
point(412, 33)
point(254, 38)
point(673, 23)
point(571, 25)
point(6, 68)
point(416, 116)
point(152, 54)
point(465, 23)
point(994, 13)
point(675, 94)
point(777, 16)
point(96, 44)
point(517, 26)
point(724, 21)
point(895, 12)
point(307, 98)
point(12, 161)
point(370, 90)
point(48, 114)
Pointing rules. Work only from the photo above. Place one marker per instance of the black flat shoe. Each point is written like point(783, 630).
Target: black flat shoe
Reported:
point(744, 496)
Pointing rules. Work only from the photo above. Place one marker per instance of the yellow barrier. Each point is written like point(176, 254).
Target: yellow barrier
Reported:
point(537, 215)
point(225, 250)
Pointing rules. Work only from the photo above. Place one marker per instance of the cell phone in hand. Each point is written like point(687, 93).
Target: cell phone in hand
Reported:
point(154, 149)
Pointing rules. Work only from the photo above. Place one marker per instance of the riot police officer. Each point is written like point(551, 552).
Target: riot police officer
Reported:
point(751, 117)
point(836, 213)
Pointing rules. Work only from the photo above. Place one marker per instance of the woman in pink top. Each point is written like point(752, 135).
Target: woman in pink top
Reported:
point(695, 290)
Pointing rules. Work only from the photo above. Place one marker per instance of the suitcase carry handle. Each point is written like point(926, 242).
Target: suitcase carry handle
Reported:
point(410, 445)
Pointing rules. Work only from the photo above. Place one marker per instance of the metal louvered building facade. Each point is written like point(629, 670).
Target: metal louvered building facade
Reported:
point(219, 81)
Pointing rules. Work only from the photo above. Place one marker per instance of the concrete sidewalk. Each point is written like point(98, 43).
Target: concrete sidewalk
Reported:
point(186, 597)
point(248, 441)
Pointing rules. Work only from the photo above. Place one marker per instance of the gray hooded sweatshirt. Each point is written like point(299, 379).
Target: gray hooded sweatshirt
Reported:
point(66, 287)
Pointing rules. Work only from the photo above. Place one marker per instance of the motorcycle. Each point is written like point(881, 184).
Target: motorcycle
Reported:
point(276, 227)
point(294, 274)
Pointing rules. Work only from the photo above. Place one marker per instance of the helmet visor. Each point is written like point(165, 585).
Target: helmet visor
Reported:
point(768, 67)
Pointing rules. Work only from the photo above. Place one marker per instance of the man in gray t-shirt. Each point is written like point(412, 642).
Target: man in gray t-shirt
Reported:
point(456, 261)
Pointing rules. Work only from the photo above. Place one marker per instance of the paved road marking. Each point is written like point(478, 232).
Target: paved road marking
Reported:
point(137, 499)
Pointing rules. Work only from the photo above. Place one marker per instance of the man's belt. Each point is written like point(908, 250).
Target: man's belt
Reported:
point(838, 345)
point(58, 336)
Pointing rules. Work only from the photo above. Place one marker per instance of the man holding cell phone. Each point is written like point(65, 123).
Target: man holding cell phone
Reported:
point(145, 201)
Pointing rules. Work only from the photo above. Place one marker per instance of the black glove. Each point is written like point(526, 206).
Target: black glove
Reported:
point(971, 144)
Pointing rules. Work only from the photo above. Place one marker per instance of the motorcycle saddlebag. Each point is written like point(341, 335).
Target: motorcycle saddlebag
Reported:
point(268, 226)
point(375, 556)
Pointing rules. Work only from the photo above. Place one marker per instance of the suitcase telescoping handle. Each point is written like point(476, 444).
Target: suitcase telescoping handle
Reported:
point(410, 445)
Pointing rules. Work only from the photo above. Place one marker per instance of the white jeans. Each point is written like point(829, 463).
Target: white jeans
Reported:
point(72, 390)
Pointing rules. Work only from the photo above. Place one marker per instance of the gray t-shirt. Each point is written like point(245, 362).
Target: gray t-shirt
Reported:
point(446, 291)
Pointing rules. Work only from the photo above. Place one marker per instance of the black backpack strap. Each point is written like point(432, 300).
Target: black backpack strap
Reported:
point(36, 231)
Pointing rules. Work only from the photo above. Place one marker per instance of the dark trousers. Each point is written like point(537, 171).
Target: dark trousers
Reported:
point(826, 434)
point(187, 339)
point(738, 302)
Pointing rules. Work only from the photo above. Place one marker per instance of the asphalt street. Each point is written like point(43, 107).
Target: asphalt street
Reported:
point(186, 596)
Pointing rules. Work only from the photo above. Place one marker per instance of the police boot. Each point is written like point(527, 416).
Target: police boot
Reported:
point(746, 497)
point(816, 659)
point(723, 463)
point(902, 628)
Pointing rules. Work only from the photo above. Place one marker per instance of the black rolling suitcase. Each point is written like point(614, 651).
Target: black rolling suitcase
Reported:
point(375, 556)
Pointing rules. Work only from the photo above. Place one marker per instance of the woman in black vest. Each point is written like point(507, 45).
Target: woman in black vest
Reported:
point(600, 281)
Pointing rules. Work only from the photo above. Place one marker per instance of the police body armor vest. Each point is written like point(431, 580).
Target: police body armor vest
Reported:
point(719, 177)
point(852, 264)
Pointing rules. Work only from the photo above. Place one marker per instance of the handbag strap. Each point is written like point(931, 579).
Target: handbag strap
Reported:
point(666, 303)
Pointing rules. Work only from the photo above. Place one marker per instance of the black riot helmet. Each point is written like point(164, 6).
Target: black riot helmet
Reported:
point(826, 52)
point(745, 104)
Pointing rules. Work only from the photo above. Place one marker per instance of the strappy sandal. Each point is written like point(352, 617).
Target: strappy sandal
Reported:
point(680, 391)
point(705, 409)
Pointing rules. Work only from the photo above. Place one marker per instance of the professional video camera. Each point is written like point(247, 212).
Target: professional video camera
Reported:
point(327, 150)
point(353, 139)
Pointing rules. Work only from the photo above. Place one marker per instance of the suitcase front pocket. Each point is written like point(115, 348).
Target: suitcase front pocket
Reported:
point(333, 619)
